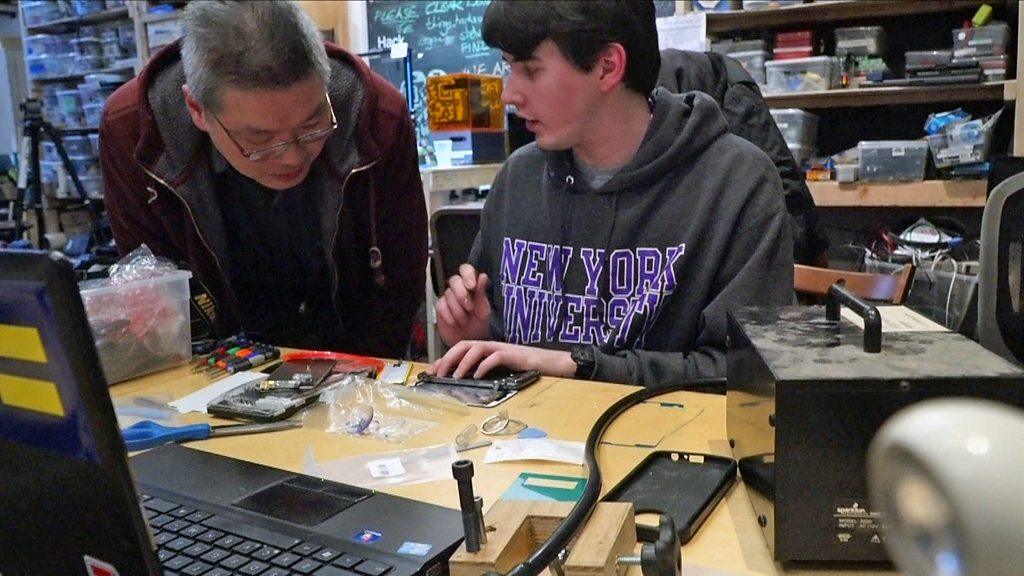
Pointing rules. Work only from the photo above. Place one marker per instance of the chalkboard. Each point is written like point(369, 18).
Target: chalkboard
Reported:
point(443, 38)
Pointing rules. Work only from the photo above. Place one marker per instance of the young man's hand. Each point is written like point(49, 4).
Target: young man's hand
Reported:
point(463, 311)
point(474, 358)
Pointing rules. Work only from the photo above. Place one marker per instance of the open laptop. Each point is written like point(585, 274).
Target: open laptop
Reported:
point(69, 505)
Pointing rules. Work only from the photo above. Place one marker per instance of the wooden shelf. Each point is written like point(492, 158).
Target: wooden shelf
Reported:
point(151, 17)
point(74, 21)
point(860, 97)
point(926, 194)
point(66, 77)
point(805, 14)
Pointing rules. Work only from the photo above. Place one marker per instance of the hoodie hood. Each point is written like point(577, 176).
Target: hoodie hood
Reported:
point(682, 126)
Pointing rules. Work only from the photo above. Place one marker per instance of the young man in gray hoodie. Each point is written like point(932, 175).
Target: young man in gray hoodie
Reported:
point(612, 247)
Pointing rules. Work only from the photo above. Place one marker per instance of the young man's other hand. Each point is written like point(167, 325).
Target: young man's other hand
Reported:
point(463, 311)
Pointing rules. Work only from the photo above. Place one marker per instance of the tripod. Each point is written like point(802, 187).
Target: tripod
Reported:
point(31, 195)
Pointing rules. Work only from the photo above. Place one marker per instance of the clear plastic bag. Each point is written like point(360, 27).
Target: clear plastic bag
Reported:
point(386, 469)
point(359, 406)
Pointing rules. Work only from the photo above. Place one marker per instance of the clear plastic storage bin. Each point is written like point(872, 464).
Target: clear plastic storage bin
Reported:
point(802, 154)
point(41, 45)
point(981, 41)
point(36, 13)
point(85, 165)
point(93, 186)
point(731, 45)
point(69, 101)
point(86, 7)
point(76, 146)
point(86, 64)
point(88, 46)
point(93, 114)
point(139, 327)
point(44, 66)
point(800, 74)
point(887, 160)
point(860, 41)
point(753, 63)
point(797, 126)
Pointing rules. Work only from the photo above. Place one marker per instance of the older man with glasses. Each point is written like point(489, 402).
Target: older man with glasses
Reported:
point(281, 170)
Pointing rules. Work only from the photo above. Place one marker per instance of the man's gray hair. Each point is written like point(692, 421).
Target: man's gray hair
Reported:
point(264, 44)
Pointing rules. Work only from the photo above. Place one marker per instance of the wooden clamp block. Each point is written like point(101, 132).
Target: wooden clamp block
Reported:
point(516, 528)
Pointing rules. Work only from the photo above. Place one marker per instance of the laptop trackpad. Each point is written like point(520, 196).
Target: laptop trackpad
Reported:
point(294, 504)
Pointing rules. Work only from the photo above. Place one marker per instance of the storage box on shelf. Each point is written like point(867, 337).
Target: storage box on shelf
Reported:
point(801, 74)
point(753, 63)
point(892, 160)
point(797, 126)
point(990, 40)
point(860, 41)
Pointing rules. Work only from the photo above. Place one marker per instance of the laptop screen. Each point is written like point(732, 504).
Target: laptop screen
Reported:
point(39, 404)
point(67, 502)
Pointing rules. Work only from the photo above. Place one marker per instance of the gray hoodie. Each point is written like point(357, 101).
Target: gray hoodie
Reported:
point(694, 226)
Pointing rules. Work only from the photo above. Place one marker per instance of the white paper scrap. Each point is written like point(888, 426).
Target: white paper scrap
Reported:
point(535, 449)
point(385, 467)
point(896, 319)
point(197, 401)
point(687, 31)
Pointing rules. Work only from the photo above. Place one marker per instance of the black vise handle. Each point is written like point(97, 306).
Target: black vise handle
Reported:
point(838, 295)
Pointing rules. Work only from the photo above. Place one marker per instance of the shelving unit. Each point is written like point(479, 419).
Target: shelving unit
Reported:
point(72, 22)
point(143, 20)
point(831, 12)
point(926, 194)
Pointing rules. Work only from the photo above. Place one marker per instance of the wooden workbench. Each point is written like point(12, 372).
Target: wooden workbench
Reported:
point(729, 543)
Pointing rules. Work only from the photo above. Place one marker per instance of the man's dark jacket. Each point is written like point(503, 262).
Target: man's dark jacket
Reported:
point(725, 80)
point(159, 191)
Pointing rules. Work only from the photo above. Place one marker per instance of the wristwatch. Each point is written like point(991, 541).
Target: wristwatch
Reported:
point(583, 356)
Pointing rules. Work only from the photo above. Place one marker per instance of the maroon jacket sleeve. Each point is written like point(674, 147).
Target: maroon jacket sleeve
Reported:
point(125, 184)
point(402, 238)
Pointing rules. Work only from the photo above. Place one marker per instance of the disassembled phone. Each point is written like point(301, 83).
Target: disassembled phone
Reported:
point(499, 380)
point(289, 388)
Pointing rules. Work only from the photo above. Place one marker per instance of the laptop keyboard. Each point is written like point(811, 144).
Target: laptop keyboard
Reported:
point(195, 543)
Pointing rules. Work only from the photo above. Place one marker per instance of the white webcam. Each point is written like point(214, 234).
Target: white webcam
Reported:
point(948, 475)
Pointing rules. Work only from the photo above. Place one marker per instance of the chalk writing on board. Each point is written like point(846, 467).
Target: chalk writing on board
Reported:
point(443, 37)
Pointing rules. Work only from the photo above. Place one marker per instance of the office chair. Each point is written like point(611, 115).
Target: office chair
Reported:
point(892, 288)
point(1000, 290)
point(453, 230)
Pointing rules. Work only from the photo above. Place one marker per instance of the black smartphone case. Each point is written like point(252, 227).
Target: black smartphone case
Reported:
point(686, 486)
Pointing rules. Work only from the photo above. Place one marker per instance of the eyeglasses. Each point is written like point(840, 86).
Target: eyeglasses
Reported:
point(277, 149)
